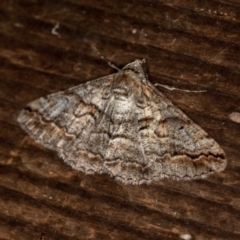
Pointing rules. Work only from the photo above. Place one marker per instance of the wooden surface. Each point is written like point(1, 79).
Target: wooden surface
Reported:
point(192, 45)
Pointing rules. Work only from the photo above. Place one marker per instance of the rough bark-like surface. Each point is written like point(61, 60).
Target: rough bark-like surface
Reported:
point(190, 45)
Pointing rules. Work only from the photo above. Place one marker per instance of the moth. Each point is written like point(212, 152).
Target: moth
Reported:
point(121, 125)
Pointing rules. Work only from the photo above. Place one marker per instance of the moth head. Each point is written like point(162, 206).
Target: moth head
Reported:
point(138, 68)
point(127, 82)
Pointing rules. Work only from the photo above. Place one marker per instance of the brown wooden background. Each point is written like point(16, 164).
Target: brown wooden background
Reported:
point(192, 45)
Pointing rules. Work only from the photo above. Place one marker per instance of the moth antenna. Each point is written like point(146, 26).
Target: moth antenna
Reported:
point(110, 64)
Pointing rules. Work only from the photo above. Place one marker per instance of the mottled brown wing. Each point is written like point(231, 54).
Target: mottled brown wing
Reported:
point(64, 121)
point(176, 146)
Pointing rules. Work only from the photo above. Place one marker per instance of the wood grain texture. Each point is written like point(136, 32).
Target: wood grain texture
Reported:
point(190, 45)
